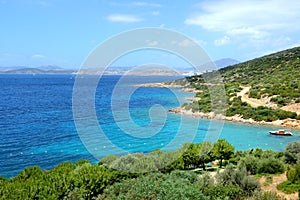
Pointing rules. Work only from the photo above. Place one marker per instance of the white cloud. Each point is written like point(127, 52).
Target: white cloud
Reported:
point(200, 42)
point(152, 43)
point(155, 13)
point(222, 41)
point(38, 56)
point(137, 4)
point(123, 18)
point(253, 20)
point(186, 43)
point(146, 4)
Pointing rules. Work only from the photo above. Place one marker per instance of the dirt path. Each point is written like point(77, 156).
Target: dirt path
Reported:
point(292, 107)
point(252, 102)
point(272, 186)
point(266, 101)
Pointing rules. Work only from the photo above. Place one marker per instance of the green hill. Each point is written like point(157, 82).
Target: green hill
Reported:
point(270, 88)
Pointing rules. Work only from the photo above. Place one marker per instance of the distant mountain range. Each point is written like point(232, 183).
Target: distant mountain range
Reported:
point(225, 62)
point(52, 69)
point(48, 69)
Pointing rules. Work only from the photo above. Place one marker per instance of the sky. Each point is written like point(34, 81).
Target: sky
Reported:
point(64, 32)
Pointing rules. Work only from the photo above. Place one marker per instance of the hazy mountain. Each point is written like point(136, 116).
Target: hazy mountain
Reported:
point(50, 67)
point(225, 62)
point(150, 71)
point(38, 70)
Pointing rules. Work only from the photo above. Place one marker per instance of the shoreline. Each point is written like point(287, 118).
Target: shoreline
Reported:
point(164, 85)
point(287, 123)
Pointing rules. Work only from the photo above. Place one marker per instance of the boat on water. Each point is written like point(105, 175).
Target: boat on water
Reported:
point(281, 132)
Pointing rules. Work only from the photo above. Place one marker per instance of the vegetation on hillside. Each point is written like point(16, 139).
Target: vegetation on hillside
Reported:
point(173, 178)
point(275, 77)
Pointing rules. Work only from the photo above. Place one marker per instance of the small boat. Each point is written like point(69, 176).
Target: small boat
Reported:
point(281, 132)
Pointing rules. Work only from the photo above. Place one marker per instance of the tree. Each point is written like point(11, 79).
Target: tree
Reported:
point(191, 155)
point(222, 150)
point(176, 164)
point(205, 154)
point(143, 165)
point(291, 151)
point(89, 180)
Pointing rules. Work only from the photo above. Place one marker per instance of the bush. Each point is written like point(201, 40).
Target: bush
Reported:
point(288, 187)
point(223, 192)
point(267, 196)
point(205, 181)
point(291, 152)
point(155, 186)
point(238, 177)
point(108, 160)
point(270, 166)
point(293, 174)
point(250, 163)
point(89, 180)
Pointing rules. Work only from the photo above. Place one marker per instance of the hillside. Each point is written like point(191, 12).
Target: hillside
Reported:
point(276, 75)
point(263, 89)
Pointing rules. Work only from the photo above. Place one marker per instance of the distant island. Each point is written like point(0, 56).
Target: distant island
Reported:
point(48, 69)
point(115, 70)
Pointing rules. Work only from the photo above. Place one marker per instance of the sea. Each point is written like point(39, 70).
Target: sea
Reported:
point(38, 125)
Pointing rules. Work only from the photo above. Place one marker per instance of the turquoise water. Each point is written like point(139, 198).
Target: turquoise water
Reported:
point(37, 125)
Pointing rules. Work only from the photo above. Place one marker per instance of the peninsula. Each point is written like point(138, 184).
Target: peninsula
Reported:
point(264, 90)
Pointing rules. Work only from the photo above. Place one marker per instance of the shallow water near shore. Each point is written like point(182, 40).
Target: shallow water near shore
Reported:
point(37, 126)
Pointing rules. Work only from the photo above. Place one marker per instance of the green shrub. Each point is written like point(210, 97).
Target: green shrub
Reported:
point(293, 174)
point(205, 181)
point(155, 186)
point(267, 196)
point(291, 152)
point(288, 187)
point(250, 163)
point(223, 192)
point(270, 166)
point(238, 177)
point(108, 160)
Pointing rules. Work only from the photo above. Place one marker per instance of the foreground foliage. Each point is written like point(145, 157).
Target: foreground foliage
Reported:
point(293, 180)
point(159, 175)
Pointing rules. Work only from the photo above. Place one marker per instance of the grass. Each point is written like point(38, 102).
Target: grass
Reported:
point(288, 187)
point(266, 175)
point(269, 180)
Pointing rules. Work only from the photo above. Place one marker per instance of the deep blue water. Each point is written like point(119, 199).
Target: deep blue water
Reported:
point(37, 125)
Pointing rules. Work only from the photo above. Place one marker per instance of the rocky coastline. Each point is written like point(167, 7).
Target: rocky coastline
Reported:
point(288, 123)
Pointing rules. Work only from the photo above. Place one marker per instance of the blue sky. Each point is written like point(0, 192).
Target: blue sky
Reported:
point(64, 32)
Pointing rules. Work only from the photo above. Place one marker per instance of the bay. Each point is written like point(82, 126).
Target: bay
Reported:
point(37, 125)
